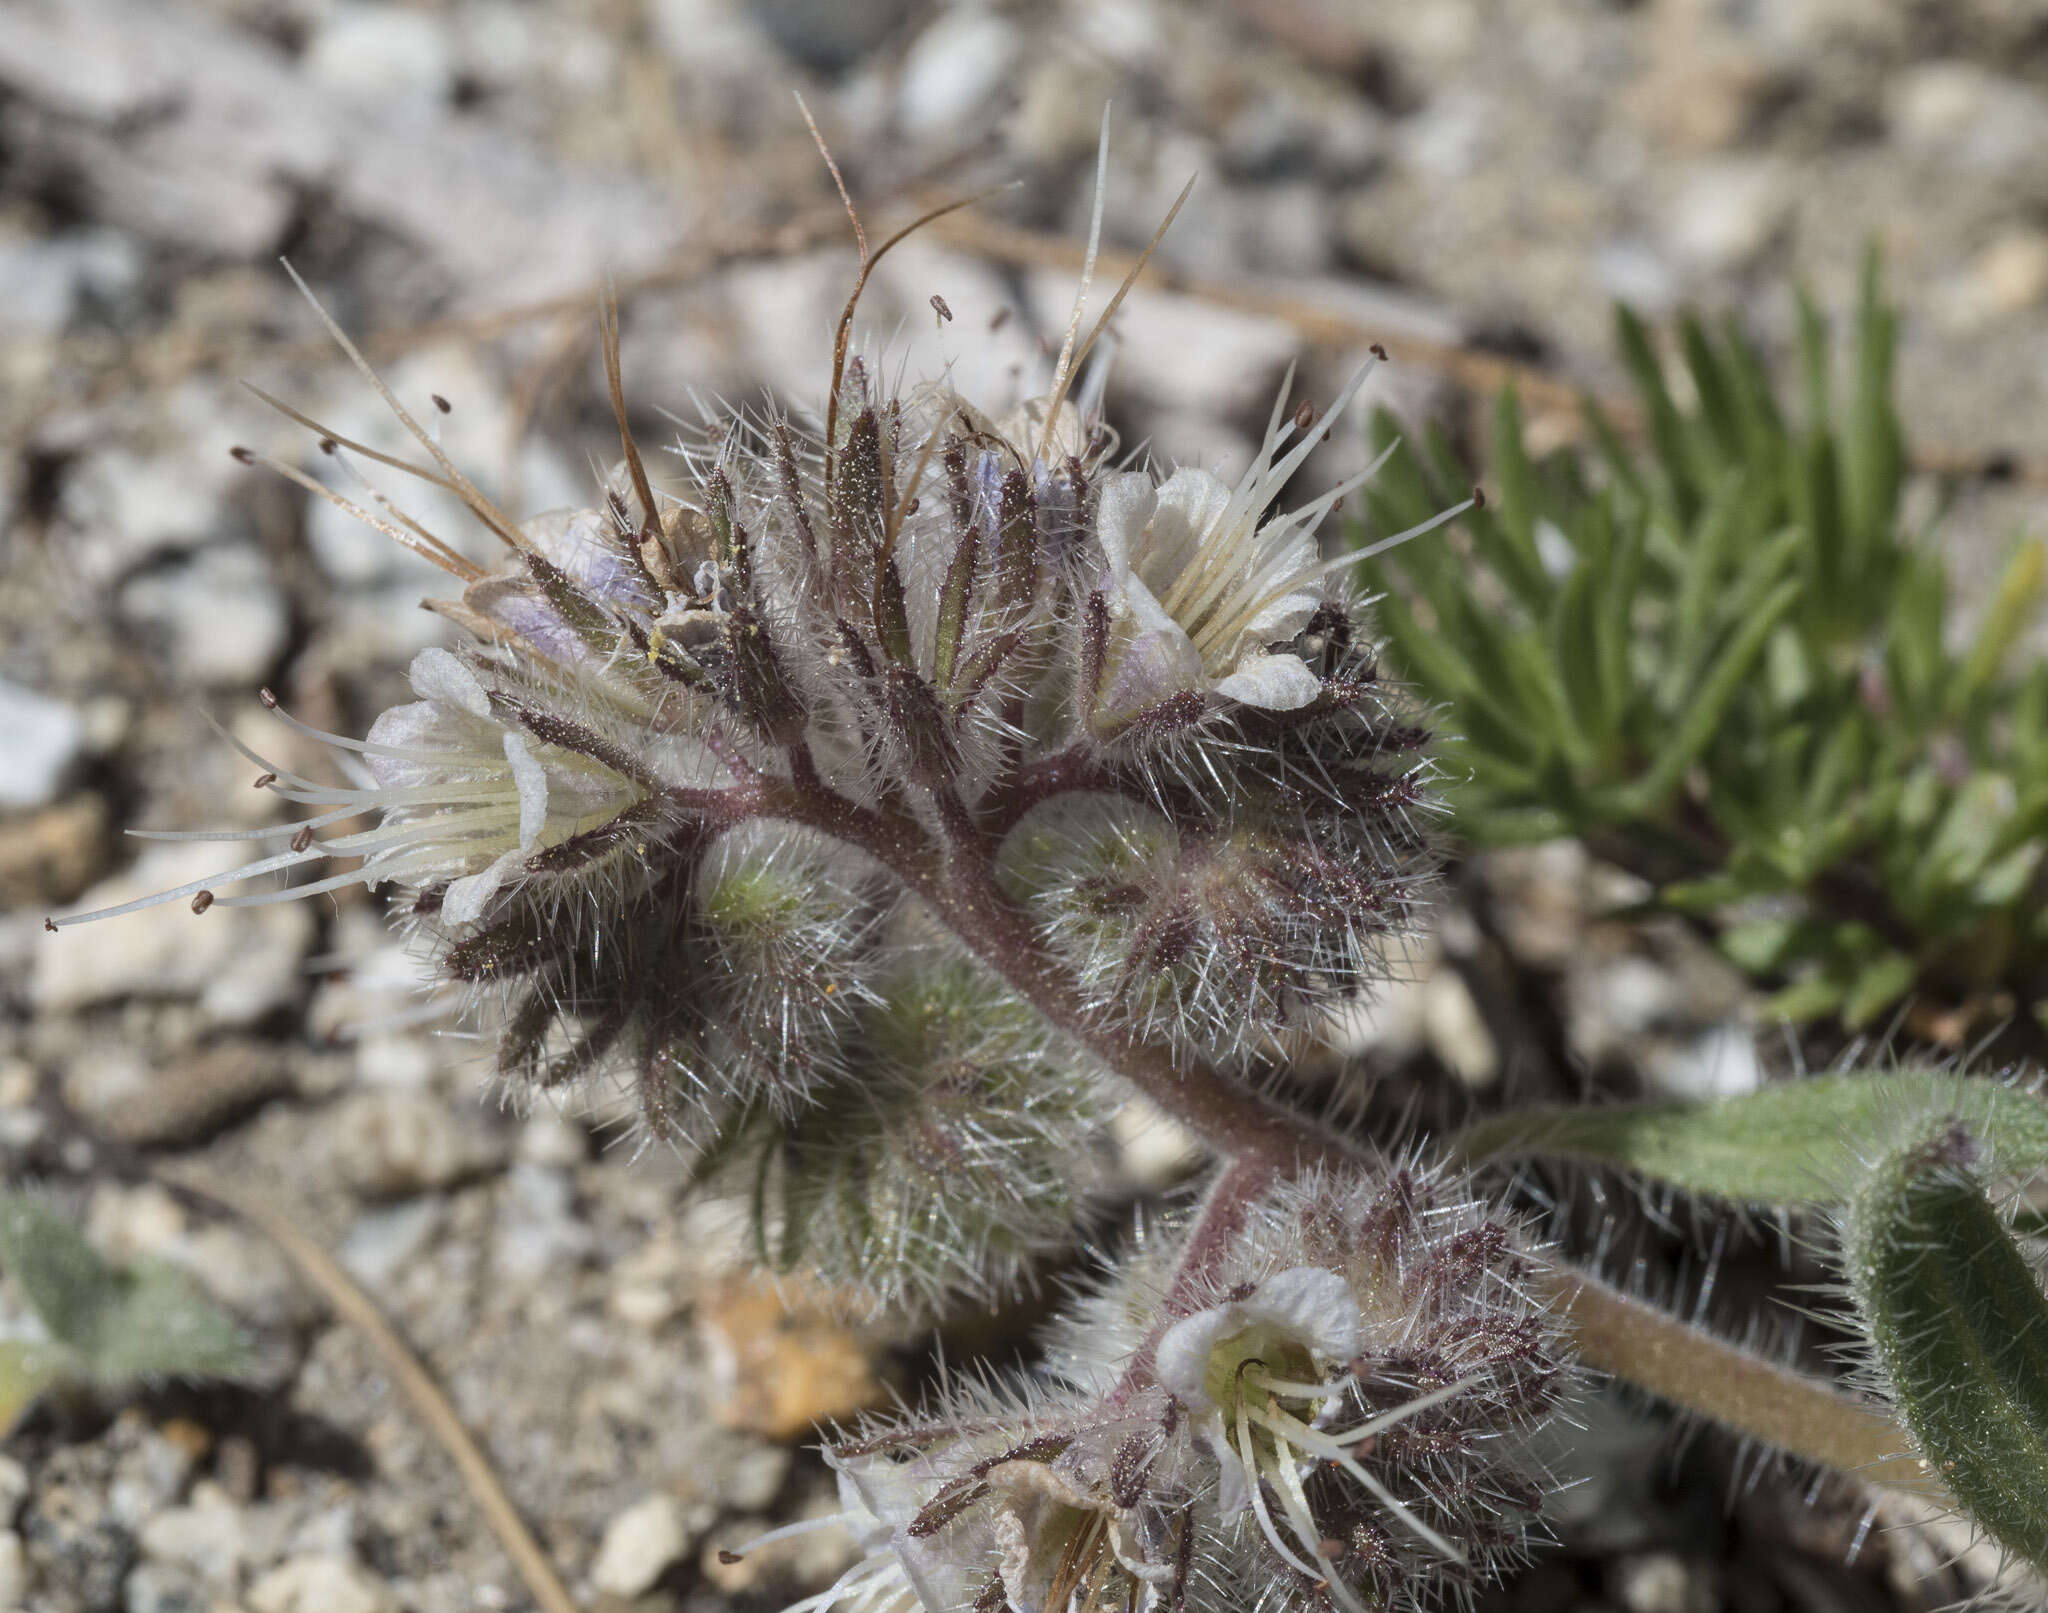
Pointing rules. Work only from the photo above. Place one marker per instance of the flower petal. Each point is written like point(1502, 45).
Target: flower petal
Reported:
point(531, 780)
point(1315, 1306)
point(1270, 682)
point(1121, 517)
point(465, 899)
point(438, 675)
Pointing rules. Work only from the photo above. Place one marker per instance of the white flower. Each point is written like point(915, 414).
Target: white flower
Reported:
point(995, 1520)
point(1198, 591)
point(1263, 1375)
point(1297, 1323)
point(461, 796)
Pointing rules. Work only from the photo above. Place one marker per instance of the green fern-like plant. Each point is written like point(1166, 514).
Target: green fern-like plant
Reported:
point(1725, 662)
point(108, 1328)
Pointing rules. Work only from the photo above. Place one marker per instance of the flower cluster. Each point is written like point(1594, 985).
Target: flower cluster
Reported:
point(738, 795)
point(1326, 1412)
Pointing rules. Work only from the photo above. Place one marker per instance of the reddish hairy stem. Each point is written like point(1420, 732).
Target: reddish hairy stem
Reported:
point(1216, 1230)
point(959, 886)
point(1257, 1142)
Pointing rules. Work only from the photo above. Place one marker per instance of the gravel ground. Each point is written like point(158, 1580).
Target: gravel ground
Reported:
point(455, 179)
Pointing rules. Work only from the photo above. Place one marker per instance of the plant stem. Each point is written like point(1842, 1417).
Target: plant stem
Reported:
point(1258, 1142)
point(1780, 1407)
point(1215, 1231)
point(958, 885)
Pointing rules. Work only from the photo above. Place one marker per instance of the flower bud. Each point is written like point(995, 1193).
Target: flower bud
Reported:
point(948, 1154)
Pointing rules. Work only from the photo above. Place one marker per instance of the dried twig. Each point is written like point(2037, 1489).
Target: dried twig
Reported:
point(352, 1305)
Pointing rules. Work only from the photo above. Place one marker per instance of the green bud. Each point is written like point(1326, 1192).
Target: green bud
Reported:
point(1959, 1326)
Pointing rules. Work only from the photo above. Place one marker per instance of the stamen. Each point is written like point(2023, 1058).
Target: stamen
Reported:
point(1370, 550)
point(1248, 1453)
point(1295, 1499)
point(1306, 1438)
point(1301, 1391)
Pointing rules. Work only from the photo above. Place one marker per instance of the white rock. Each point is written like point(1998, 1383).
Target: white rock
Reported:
point(2008, 277)
point(13, 1570)
point(1722, 1063)
point(1451, 138)
point(43, 278)
point(40, 741)
point(1956, 112)
point(954, 71)
point(537, 1227)
point(1153, 1150)
point(166, 485)
point(319, 1584)
point(239, 962)
point(381, 1241)
point(1636, 273)
point(710, 37)
point(388, 1144)
point(1185, 354)
point(210, 1540)
point(639, 1546)
point(1726, 213)
point(381, 55)
point(1456, 1031)
point(222, 617)
point(548, 1138)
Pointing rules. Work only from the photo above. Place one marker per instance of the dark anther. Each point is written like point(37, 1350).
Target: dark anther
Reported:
point(911, 507)
point(443, 404)
point(939, 307)
point(328, 445)
point(269, 700)
point(242, 456)
point(1478, 498)
point(264, 781)
point(1379, 352)
point(202, 901)
point(302, 840)
point(50, 925)
point(1305, 416)
point(728, 1557)
point(1002, 318)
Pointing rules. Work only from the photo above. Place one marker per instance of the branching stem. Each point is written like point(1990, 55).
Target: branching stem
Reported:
point(1628, 1338)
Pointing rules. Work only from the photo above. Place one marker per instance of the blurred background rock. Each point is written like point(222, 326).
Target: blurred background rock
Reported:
point(1466, 181)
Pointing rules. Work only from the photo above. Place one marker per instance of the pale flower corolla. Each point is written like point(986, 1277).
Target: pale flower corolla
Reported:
point(1303, 1319)
point(1198, 591)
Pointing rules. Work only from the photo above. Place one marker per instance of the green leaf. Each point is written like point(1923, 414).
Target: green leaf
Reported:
point(1872, 457)
point(1796, 1142)
point(2013, 607)
point(1760, 946)
point(1717, 692)
point(1813, 998)
point(28, 1371)
point(166, 1328)
point(1960, 1327)
point(72, 1290)
point(119, 1326)
point(1667, 426)
point(1881, 984)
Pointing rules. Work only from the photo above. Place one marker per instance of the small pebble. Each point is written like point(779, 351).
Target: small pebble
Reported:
point(319, 1584)
point(640, 1545)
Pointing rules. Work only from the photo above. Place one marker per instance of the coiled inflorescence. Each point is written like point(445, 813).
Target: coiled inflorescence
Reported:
point(1328, 1413)
point(857, 803)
